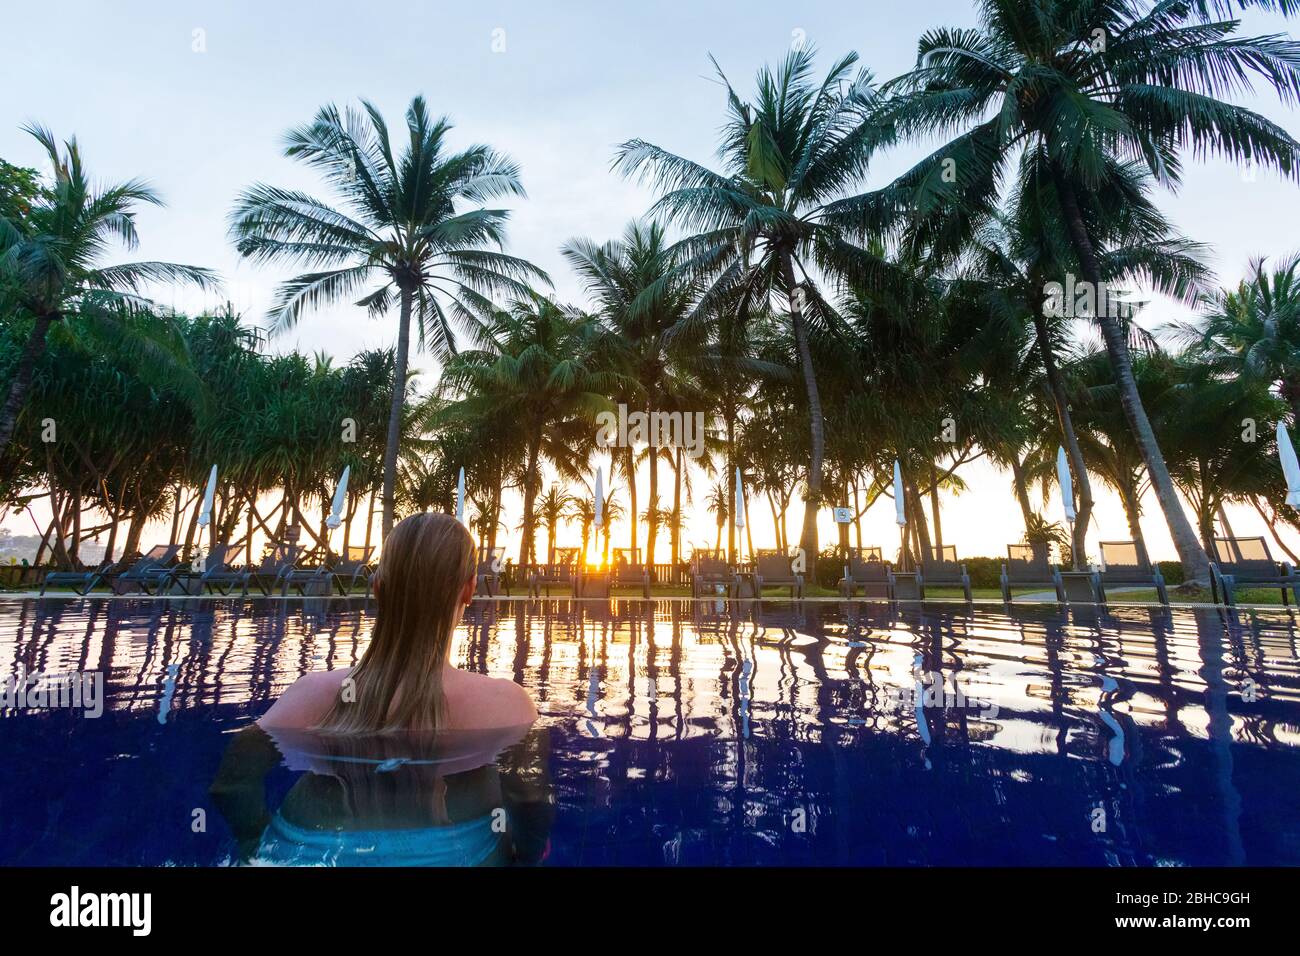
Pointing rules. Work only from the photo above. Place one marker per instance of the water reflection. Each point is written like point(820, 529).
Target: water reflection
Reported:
point(708, 732)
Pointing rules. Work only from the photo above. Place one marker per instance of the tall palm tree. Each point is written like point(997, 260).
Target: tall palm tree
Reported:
point(759, 223)
point(401, 223)
point(51, 272)
point(1075, 88)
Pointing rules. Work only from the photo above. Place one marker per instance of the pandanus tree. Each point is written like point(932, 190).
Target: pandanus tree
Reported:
point(52, 273)
point(758, 226)
point(1087, 84)
point(412, 222)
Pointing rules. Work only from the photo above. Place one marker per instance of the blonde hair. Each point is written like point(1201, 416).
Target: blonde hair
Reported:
point(426, 563)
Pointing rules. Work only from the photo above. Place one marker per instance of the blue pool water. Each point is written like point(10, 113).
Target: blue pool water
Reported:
point(675, 733)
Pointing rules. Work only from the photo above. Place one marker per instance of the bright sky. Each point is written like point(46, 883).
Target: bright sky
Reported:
point(196, 97)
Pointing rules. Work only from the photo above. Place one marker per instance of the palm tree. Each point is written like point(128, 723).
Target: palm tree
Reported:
point(611, 512)
point(1077, 89)
point(402, 226)
point(647, 303)
point(50, 273)
point(761, 219)
point(540, 368)
point(719, 505)
point(1254, 330)
point(552, 509)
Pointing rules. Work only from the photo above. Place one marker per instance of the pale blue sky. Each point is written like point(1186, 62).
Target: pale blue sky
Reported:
point(571, 83)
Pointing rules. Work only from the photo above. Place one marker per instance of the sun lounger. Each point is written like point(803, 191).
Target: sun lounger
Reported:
point(709, 571)
point(1027, 565)
point(1125, 565)
point(218, 572)
point(150, 573)
point(85, 580)
point(627, 570)
point(563, 572)
point(353, 567)
point(1246, 562)
point(865, 569)
point(273, 572)
point(311, 581)
point(942, 569)
point(487, 576)
point(774, 567)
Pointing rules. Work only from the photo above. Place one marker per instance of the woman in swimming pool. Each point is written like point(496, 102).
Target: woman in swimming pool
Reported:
point(407, 760)
point(405, 680)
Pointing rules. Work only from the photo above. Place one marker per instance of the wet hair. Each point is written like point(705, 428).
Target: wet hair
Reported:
point(426, 562)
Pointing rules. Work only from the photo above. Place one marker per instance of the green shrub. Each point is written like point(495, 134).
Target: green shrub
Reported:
point(1172, 571)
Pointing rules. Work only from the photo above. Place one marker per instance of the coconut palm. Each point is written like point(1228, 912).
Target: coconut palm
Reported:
point(51, 273)
point(718, 502)
point(540, 368)
point(553, 510)
point(1075, 89)
point(401, 223)
point(1254, 330)
point(759, 223)
point(647, 302)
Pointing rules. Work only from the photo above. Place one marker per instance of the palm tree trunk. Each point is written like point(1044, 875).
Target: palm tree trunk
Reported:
point(677, 510)
point(22, 383)
point(631, 492)
point(1072, 449)
point(395, 414)
point(1196, 567)
point(530, 498)
point(934, 508)
point(731, 486)
point(652, 511)
point(1128, 496)
point(816, 424)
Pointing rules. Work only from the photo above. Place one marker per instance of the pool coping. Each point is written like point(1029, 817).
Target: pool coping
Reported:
point(708, 599)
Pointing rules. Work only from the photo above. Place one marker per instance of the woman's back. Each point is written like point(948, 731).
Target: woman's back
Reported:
point(470, 701)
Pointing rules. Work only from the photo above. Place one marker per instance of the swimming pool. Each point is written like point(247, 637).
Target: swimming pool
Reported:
point(708, 733)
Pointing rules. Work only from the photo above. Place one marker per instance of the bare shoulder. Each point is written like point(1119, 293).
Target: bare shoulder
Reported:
point(306, 701)
point(478, 701)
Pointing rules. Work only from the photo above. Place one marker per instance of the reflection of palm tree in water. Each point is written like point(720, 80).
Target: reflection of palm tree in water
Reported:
point(452, 799)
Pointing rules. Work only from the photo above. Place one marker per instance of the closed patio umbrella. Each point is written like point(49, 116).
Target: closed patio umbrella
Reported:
point(600, 498)
point(1290, 465)
point(340, 496)
point(460, 497)
point(205, 513)
point(1066, 483)
point(900, 511)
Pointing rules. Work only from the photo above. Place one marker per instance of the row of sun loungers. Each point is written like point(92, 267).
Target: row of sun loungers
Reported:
point(1237, 563)
point(158, 572)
